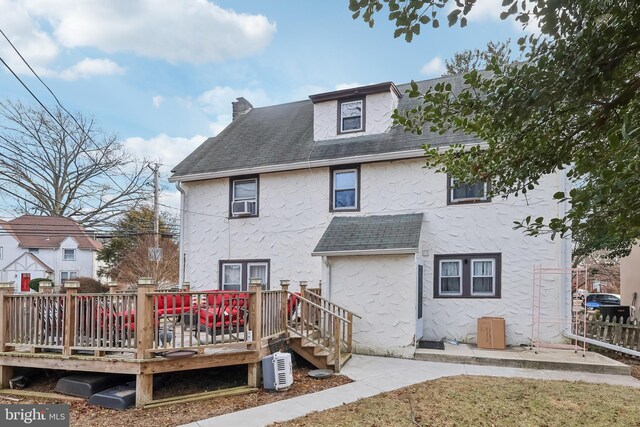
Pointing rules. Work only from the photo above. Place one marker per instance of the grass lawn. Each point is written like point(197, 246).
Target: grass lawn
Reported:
point(488, 401)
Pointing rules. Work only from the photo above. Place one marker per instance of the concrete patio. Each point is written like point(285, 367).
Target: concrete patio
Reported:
point(526, 357)
point(374, 375)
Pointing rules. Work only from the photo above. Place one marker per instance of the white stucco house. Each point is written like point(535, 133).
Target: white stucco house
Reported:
point(328, 189)
point(43, 246)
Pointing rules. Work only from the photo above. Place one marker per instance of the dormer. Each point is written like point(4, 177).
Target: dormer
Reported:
point(364, 110)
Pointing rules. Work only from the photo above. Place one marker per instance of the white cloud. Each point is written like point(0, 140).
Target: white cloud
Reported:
point(33, 43)
point(485, 10)
point(157, 100)
point(433, 68)
point(217, 101)
point(341, 86)
point(89, 67)
point(193, 31)
point(163, 148)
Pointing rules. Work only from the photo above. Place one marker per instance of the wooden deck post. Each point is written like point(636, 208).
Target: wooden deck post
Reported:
point(319, 288)
point(46, 287)
point(144, 318)
point(113, 288)
point(6, 288)
point(350, 333)
point(336, 338)
point(71, 288)
point(186, 286)
point(304, 307)
point(6, 372)
point(255, 325)
point(284, 284)
point(144, 338)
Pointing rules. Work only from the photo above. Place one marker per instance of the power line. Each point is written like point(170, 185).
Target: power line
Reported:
point(52, 116)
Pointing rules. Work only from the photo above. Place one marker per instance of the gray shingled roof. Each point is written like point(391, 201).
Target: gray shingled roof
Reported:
point(370, 233)
point(283, 134)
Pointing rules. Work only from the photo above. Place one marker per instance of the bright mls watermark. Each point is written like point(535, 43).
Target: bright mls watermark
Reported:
point(34, 415)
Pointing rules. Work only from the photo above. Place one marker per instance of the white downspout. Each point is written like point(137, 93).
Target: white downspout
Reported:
point(326, 291)
point(565, 261)
point(181, 273)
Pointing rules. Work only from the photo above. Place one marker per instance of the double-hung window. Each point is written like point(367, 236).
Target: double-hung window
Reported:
point(351, 116)
point(344, 189)
point(467, 276)
point(483, 276)
point(244, 197)
point(235, 275)
point(450, 281)
point(69, 254)
point(460, 192)
point(68, 275)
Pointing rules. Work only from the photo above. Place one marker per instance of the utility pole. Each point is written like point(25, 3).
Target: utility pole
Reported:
point(156, 206)
point(156, 221)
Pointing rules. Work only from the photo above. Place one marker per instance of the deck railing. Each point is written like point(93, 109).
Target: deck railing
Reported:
point(100, 322)
point(273, 304)
point(35, 320)
point(323, 323)
point(146, 322)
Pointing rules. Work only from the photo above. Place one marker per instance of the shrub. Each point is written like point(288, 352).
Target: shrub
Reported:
point(89, 285)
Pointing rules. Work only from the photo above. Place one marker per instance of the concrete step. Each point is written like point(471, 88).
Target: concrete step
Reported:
point(542, 358)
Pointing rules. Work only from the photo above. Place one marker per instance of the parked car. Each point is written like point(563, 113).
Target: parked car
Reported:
point(594, 301)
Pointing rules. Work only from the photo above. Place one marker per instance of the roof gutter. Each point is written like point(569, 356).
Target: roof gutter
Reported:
point(396, 155)
point(360, 252)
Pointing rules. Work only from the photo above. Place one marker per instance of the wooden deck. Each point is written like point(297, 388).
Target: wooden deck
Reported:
point(142, 333)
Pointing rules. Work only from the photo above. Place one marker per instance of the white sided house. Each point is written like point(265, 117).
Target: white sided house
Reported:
point(45, 247)
point(328, 189)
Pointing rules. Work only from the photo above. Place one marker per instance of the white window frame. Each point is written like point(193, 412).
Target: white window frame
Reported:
point(234, 199)
point(452, 186)
point(224, 285)
point(72, 274)
point(261, 264)
point(335, 189)
point(493, 277)
point(460, 273)
point(361, 128)
point(64, 255)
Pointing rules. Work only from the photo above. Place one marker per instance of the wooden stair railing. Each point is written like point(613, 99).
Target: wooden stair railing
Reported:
point(323, 327)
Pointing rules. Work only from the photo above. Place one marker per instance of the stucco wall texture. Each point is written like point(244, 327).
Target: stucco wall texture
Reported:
point(294, 212)
point(382, 290)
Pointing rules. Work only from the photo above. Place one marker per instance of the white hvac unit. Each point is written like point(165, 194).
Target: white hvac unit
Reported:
point(245, 207)
point(277, 371)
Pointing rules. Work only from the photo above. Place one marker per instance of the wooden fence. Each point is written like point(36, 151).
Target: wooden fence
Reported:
point(612, 330)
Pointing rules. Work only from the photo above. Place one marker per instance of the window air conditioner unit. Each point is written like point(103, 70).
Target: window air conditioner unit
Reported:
point(245, 207)
point(277, 371)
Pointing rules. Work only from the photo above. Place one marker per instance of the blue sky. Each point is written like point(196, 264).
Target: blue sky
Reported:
point(161, 74)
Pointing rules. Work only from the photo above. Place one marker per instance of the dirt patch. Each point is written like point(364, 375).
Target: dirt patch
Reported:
point(181, 383)
point(487, 401)
point(633, 362)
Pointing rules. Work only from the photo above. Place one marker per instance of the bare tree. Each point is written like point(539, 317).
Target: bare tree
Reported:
point(65, 166)
point(134, 262)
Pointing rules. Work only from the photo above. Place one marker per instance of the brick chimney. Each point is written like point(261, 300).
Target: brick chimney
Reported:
point(240, 106)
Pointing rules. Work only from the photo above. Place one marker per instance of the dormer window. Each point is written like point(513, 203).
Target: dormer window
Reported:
point(351, 116)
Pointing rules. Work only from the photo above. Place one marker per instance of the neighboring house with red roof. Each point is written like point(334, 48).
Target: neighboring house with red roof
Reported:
point(44, 246)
